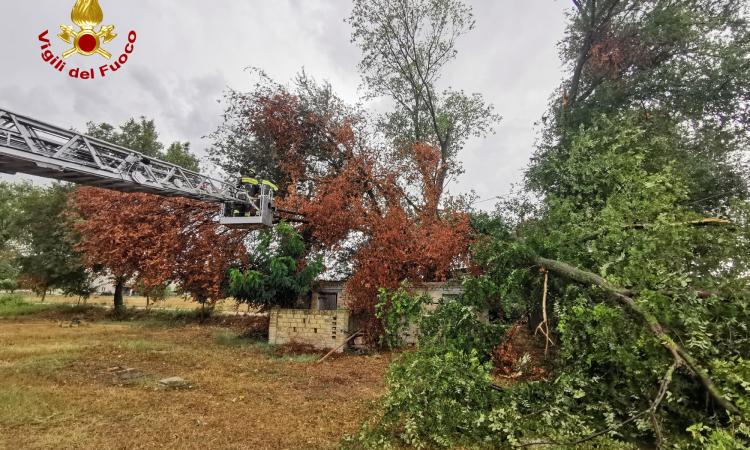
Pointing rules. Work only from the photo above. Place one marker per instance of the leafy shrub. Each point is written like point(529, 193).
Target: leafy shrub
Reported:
point(8, 285)
point(736, 437)
point(397, 311)
point(439, 395)
point(278, 272)
point(7, 299)
point(435, 399)
point(455, 325)
point(182, 315)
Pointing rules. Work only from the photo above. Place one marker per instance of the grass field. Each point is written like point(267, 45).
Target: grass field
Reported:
point(95, 386)
point(224, 306)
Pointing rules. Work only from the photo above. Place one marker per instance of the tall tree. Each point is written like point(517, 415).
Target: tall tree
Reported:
point(291, 136)
point(681, 66)
point(10, 209)
point(179, 153)
point(379, 213)
point(406, 45)
point(371, 193)
point(633, 249)
point(644, 198)
point(9, 212)
point(139, 135)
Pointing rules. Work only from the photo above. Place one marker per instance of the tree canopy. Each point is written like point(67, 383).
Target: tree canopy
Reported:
point(37, 248)
point(277, 273)
point(406, 46)
point(151, 240)
point(372, 192)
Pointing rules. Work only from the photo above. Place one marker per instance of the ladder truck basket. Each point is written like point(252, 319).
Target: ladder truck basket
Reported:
point(258, 212)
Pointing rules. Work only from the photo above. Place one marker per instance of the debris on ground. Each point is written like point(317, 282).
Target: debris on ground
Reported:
point(173, 383)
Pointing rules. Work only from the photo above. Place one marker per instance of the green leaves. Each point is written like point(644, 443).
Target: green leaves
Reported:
point(244, 281)
point(141, 135)
point(406, 47)
point(435, 399)
point(621, 208)
point(38, 251)
point(397, 311)
point(277, 274)
point(455, 325)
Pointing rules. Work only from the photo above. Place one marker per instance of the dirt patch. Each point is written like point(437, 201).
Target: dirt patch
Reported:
point(521, 356)
point(296, 349)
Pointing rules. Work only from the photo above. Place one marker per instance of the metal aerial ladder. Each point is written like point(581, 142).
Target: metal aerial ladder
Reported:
point(33, 147)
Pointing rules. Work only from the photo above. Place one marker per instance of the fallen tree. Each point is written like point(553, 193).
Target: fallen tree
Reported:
point(623, 298)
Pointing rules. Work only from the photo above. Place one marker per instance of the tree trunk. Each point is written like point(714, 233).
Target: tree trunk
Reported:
point(623, 297)
point(119, 302)
point(44, 294)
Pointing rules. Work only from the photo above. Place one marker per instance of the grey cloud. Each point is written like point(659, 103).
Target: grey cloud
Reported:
point(189, 51)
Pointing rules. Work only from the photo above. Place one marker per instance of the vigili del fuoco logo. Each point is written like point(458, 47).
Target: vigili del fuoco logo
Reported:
point(87, 41)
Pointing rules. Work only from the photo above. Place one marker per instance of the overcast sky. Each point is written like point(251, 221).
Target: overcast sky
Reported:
point(189, 51)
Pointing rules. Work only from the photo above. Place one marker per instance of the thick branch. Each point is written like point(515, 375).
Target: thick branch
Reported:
point(622, 296)
point(583, 56)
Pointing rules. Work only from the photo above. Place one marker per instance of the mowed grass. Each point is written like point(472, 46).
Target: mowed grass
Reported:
point(174, 303)
point(63, 387)
point(14, 305)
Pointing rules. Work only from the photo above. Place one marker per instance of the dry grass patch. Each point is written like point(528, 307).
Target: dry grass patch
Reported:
point(242, 395)
point(26, 406)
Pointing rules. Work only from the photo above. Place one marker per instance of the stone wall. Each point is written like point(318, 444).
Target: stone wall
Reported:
point(321, 329)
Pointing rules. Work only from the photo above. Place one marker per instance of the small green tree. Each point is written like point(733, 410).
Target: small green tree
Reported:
point(277, 273)
point(46, 256)
point(179, 153)
point(141, 135)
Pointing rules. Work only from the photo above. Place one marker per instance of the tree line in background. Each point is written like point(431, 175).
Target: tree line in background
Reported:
point(36, 247)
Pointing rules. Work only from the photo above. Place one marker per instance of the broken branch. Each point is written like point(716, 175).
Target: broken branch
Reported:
point(622, 296)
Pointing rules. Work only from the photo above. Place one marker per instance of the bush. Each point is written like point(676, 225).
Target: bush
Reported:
point(441, 394)
point(173, 317)
point(8, 285)
point(397, 311)
point(455, 325)
point(7, 299)
point(435, 399)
